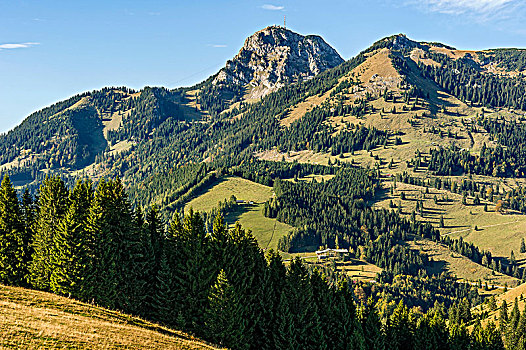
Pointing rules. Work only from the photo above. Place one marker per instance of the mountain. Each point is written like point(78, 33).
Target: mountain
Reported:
point(269, 59)
point(411, 155)
point(274, 57)
point(73, 135)
point(397, 87)
point(52, 322)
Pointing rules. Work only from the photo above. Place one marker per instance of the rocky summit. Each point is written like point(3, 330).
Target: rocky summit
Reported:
point(276, 56)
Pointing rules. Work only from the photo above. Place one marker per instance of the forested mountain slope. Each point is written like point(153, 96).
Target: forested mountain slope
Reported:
point(103, 131)
point(398, 94)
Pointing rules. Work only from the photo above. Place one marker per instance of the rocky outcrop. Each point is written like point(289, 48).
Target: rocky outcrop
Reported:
point(274, 57)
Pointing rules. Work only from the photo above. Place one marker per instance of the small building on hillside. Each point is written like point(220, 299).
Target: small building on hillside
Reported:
point(331, 253)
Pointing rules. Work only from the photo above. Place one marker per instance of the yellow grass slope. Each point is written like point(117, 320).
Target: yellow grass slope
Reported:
point(36, 320)
point(518, 293)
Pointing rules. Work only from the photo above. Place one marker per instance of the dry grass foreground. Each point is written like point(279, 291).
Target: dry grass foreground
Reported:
point(37, 320)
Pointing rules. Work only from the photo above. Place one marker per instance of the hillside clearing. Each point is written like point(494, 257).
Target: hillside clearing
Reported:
point(226, 187)
point(267, 231)
point(494, 232)
point(460, 266)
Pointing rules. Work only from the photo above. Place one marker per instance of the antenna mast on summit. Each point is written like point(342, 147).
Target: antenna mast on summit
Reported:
point(284, 21)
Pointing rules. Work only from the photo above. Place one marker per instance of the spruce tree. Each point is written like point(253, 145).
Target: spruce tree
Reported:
point(274, 283)
point(503, 316)
point(162, 307)
point(513, 322)
point(53, 202)
point(102, 279)
point(12, 257)
point(372, 327)
point(244, 265)
point(71, 262)
point(399, 328)
point(520, 332)
point(194, 270)
point(225, 322)
point(298, 318)
point(492, 337)
point(459, 338)
point(117, 251)
point(28, 210)
point(131, 254)
point(219, 237)
point(153, 247)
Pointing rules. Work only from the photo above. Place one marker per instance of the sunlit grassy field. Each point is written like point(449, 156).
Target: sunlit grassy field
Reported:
point(36, 320)
point(267, 231)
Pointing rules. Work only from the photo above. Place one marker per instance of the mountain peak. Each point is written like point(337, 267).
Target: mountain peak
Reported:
point(397, 42)
point(275, 56)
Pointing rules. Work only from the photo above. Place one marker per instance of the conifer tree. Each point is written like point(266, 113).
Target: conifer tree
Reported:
point(275, 275)
point(28, 210)
point(131, 254)
point(503, 316)
point(153, 247)
point(520, 332)
point(163, 300)
point(244, 265)
point(194, 270)
point(298, 318)
point(343, 309)
point(399, 328)
point(492, 337)
point(513, 322)
point(492, 304)
point(53, 201)
point(12, 257)
point(71, 262)
point(459, 338)
point(102, 276)
point(219, 236)
point(372, 327)
point(225, 320)
point(115, 270)
point(155, 233)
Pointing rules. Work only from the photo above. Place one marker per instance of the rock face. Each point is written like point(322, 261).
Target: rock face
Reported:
point(274, 57)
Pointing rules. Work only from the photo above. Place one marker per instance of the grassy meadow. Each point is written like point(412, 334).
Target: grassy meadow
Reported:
point(32, 319)
point(267, 231)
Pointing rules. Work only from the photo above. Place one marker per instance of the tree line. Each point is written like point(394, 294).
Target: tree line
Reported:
point(86, 242)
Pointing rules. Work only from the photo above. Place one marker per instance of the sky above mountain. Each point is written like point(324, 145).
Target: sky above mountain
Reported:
point(53, 49)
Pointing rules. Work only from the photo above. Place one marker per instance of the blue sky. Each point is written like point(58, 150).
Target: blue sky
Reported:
point(53, 49)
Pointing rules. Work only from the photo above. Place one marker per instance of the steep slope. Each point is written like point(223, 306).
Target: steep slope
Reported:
point(274, 57)
point(88, 132)
point(36, 320)
point(269, 59)
point(412, 88)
